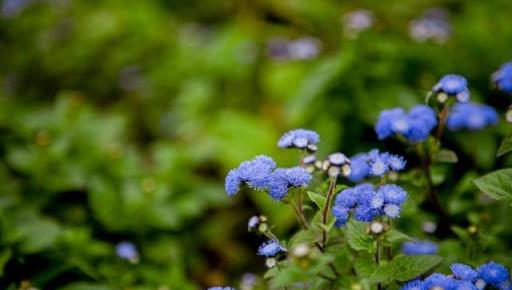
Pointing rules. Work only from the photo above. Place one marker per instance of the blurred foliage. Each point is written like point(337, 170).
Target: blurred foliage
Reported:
point(119, 120)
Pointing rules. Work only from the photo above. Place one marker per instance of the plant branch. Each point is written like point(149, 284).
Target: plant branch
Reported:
point(326, 208)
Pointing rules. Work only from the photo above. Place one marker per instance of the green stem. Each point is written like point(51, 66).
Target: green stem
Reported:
point(377, 261)
point(443, 117)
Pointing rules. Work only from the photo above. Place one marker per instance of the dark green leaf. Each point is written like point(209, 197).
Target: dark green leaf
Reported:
point(505, 146)
point(445, 156)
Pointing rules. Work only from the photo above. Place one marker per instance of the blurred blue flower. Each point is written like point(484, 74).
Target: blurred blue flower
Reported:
point(253, 222)
point(419, 248)
point(433, 25)
point(298, 138)
point(282, 179)
point(439, 281)
point(503, 77)
point(453, 85)
point(393, 193)
point(270, 248)
point(256, 173)
point(493, 273)
point(221, 288)
point(463, 272)
point(415, 126)
point(471, 116)
point(413, 285)
point(127, 250)
point(374, 163)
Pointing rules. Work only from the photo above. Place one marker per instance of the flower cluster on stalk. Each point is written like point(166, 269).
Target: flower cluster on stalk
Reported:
point(414, 125)
point(374, 163)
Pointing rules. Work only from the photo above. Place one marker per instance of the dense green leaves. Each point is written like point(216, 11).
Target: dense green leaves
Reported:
point(403, 268)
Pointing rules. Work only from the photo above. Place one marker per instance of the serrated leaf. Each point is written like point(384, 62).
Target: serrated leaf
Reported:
point(358, 238)
point(445, 156)
point(497, 184)
point(404, 268)
point(318, 199)
point(505, 146)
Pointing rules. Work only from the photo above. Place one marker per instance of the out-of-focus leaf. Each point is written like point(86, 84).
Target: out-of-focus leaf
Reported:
point(318, 199)
point(505, 146)
point(404, 268)
point(497, 184)
point(446, 156)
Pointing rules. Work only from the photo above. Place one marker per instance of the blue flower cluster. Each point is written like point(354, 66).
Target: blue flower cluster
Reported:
point(365, 203)
point(374, 163)
point(271, 248)
point(221, 288)
point(298, 138)
point(471, 116)
point(261, 174)
point(417, 247)
point(464, 277)
point(127, 250)
point(452, 85)
point(414, 125)
point(503, 77)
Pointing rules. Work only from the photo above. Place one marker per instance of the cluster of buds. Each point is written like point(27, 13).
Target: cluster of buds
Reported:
point(335, 164)
point(377, 228)
point(258, 224)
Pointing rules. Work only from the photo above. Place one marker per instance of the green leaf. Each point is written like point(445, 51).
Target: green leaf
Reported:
point(461, 233)
point(318, 199)
point(403, 268)
point(358, 237)
point(505, 146)
point(394, 236)
point(4, 258)
point(497, 184)
point(365, 266)
point(445, 156)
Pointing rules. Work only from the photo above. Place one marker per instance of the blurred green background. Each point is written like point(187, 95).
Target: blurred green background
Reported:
point(119, 120)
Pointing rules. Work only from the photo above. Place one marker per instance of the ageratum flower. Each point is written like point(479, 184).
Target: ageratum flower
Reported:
point(127, 250)
point(374, 163)
point(415, 125)
point(463, 272)
point(298, 138)
point(221, 288)
point(440, 281)
point(418, 247)
point(453, 85)
point(270, 249)
point(413, 285)
point(282, 179)
point(255, 173)
point(365, 203)
point(493, 273)
point(253, 222)
point(471, 116)
point(503, 77)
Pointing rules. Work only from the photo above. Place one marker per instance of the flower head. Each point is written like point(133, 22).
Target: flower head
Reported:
point(253, 222)
point(453, 85)
point(440, 281)
point(127, 250)
point(471, 116)
point(414, 125)
point(463, 272)
point(419, 248)
point(374, 163)
point(282, 179)
point(413, 285)
point(503, 77)
point(270, 248)
point(298, 138)
point(221, 288)
point(493, 273)
point(255, 173)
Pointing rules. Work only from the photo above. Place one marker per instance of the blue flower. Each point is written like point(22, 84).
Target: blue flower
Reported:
point(253, 222)
point(419, 248)
point(360, 168)
point(396, 163)
point(270, 248)
point(298, 138)
point(464, 285)
point(505, 285)
point(503, 77)
point(463, 272)
point(393, 193)
point(471, 116)
point(378, 166)
point(282, 179)
point(493, 273)
point(415, 125)
point(341, 214)
point(440, 281)
point(414, 285)
point(127, 250)
point(392, 210)
point(255, 173)
point(221, 288)
point(453, 85)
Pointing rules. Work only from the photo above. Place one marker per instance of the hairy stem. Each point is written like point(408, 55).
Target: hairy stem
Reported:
point(326, 208)
point(443, 116)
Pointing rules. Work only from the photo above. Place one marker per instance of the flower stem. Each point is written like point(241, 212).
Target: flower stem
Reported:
point(377, 261)
point(326, 208)
point(443, 117)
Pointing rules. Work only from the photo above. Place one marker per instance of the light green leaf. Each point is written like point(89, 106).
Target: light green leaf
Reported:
point(358, 237)
point(497, 184)
point(403, 268)
point(394, 236)
point(445, 156)
point(318, 199)
point(505, 146)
